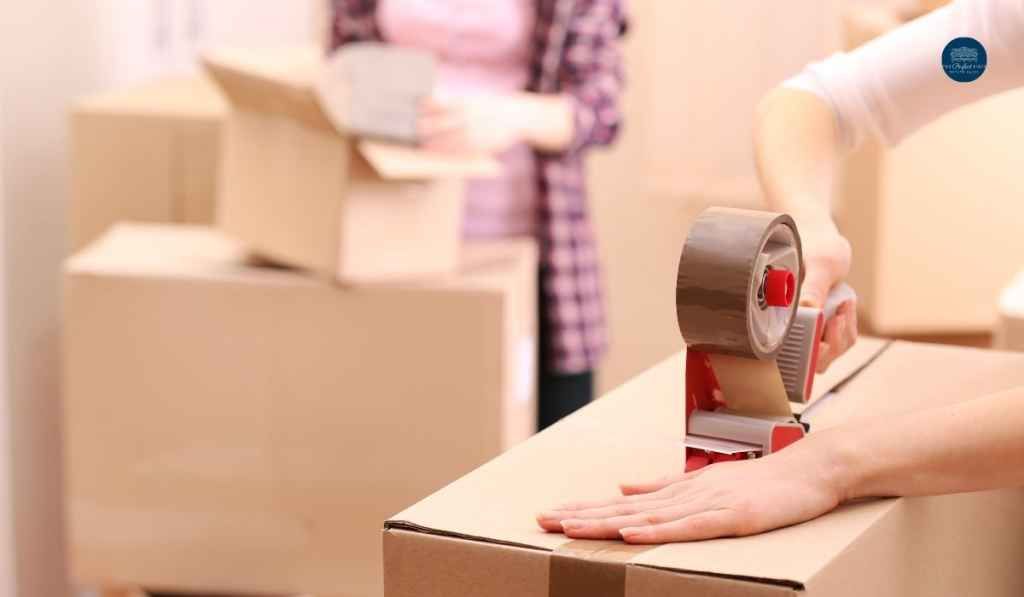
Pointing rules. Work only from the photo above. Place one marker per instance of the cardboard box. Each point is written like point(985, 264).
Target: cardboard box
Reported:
point(478, 537)
point(1009, 333)
point(236, 428)
point(299, 191)
point(935, 222)
point(148, 153)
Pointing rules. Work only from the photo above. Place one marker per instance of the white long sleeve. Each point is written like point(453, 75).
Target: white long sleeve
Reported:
point(893, 85)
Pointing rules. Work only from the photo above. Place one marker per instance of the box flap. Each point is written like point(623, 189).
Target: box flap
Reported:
point(281, 82)
point(276, 82)
point(635, 433)
point(398, 162)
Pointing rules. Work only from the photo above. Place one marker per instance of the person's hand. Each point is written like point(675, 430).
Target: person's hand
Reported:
point(827, 258)
point(725, 499)
point(471, 125)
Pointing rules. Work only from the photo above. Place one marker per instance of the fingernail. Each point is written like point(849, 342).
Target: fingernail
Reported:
point(630, 533)
point(573, 525)
point(548, 514)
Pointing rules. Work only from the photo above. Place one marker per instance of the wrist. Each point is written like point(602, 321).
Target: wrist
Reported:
point(843, 464)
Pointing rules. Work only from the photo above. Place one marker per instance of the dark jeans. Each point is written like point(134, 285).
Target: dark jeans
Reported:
point(558, 394)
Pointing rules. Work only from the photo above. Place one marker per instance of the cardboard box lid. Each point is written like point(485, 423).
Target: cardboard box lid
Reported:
point(180, 97)
point(283, 83)
point(132, 249)
point(635, 433)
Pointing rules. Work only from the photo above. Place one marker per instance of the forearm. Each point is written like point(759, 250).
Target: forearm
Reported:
point(796, 146)
point(545, 120)
point(973, 445)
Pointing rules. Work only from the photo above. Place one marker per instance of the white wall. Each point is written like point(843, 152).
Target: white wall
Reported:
point(6, 495)
point(53, 51)
point(45, 61)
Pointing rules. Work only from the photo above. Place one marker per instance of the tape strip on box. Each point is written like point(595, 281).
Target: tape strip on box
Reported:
point(583, 568)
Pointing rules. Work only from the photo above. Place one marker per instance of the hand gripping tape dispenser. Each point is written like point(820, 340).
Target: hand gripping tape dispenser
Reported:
point(750, 349)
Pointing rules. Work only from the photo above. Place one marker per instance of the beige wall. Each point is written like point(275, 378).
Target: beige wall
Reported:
point(696, 70)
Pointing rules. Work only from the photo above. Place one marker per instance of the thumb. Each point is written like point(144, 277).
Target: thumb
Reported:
point(814, 291)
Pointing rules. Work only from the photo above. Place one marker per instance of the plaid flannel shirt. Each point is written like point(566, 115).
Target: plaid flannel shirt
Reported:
point(576, 52)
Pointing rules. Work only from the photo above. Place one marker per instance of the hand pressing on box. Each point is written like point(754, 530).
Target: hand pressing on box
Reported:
point(726, 499)
point(923, 452)
point(491, 123)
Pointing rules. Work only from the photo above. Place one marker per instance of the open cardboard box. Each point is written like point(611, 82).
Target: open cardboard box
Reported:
point(478, 536)
point(299, 190)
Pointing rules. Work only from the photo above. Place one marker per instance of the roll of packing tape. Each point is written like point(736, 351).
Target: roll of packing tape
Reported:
point(720, 294)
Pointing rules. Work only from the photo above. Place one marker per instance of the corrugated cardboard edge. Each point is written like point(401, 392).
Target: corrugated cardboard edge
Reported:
point(409, 532)
point(844, 370)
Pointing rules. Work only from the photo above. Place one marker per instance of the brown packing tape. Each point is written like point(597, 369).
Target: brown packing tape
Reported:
point(751, 386)
point(584, 568)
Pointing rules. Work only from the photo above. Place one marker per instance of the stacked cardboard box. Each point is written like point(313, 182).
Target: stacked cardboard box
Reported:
point(934, 222)
point(235, 421)
point(234, 427)
point(148, 154)
point(478, 536)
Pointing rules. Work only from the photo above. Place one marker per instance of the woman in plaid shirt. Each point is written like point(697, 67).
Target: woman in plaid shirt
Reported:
point(534, 82)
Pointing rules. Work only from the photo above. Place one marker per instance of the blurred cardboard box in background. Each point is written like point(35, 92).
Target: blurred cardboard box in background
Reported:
point(148, 153)
point(300, 191)
point(237, 428)
point(935, 222)
point(478, 537)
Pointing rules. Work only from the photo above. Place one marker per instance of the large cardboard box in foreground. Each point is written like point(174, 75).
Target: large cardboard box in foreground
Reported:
point(936, 221)
point(235, 428)
point(299, 190)
point(149, 153)
point(478, 536)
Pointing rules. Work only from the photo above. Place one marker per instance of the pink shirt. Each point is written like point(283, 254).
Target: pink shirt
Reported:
point(482, 46)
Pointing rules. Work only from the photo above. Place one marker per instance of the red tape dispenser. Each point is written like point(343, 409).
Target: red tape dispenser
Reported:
point(750, 350)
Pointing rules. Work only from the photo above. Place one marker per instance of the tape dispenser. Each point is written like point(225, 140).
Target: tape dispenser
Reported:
point(751, 350)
